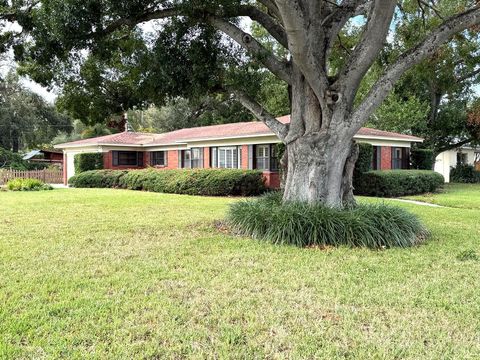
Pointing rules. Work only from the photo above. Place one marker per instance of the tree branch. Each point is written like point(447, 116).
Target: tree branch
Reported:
point(280, 129)
point(277, 66)
point(306, 42)
point(427, 47)
point(432, 7)
point(271, 7)
point(468, 75)
point(343, 12)
point(454, 146)
point(272, 26)
point(131, 22)
point(366, 51)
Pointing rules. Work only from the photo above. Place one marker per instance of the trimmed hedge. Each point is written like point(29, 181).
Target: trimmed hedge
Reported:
point(373, 226)
point(87, 162)
point(364, 161)
point(208, 182)
point(27, 185)
point(393, 183)
point(464, 173)
point(422, 159)
point(365, 158)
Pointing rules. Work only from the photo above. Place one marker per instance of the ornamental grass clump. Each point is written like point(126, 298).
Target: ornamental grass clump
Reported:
point(299, 224)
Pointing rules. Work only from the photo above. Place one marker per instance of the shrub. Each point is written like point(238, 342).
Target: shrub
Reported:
point(372, 226)
point(27, 185)
point(365, 158)
point(87, 162)
point(422, 159)
point(394, 183)
point(464, 173)
point(209, 182)
point(364, 161)
point(98, 179)
point(11, 160)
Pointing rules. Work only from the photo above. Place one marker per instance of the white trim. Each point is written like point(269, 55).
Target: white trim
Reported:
point(387, 138)
point(234, 140)
point(74, 146)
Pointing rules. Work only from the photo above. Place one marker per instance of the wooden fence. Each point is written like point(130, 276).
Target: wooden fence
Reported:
point(50, 176)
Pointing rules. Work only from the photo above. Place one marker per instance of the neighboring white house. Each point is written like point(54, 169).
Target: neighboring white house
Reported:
point(448, 159)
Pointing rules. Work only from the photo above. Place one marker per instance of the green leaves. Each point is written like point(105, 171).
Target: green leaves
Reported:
point(300, 224)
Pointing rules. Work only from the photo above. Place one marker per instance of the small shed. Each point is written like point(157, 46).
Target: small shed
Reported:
point(45, 156)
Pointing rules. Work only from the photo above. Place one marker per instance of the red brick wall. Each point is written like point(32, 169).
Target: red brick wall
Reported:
point(172, 160)
point(272, 179)
point(244, 157)
point(146, 159)
point(206, 158)
point(107, 160)
point(386, 158)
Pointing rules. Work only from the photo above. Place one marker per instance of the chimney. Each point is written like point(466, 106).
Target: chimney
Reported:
point(128, 127)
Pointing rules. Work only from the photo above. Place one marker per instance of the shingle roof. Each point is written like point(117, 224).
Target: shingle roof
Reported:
point(212, 132)
point(123, 138)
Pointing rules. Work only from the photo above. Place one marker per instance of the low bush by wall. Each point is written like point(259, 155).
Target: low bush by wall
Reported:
point(88, 161)
point(27, 185)
point(464, 173)
point(208, 182)
point(422, 159)
point(393, 183)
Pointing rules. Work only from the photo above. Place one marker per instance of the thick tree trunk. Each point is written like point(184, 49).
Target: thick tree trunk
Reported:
point(320, 151)
point(318, 173)
point(15, 140)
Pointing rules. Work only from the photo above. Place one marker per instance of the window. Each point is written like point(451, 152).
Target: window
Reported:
point(228, 157)
point(462, 158)
point(274, 161)
point(186, 159)
point(263, 157)
point(197, 158)
point(266, 157)
point(397, 158)
point(127, 158)
point(158, 158)
point(192, 158)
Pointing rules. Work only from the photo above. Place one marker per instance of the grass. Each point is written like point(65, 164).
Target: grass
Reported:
point(463, 196)
point(119, 274)
point(374, 226)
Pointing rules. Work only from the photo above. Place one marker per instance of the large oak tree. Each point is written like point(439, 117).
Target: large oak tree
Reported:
point(196, 37)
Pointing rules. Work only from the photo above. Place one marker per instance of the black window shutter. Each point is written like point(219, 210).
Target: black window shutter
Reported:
point(250, 156)
point(393, 167)
point(139, 158)
point(115, 158)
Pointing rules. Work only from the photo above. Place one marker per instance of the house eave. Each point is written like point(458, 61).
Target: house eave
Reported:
point(185, 142)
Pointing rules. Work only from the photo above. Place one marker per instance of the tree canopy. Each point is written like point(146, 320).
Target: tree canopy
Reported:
point(26, 120)
point(110, 55)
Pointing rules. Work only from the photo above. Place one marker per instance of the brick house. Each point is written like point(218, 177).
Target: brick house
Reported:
point(247, 145)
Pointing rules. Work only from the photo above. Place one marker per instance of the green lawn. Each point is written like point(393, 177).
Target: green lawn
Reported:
point(465, 196)
point(119, 274)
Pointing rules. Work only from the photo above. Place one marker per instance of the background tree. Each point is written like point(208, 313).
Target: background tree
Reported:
point(433, 98)
point(26, 120)
point(199, 47)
